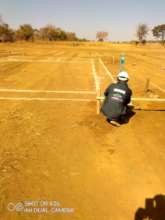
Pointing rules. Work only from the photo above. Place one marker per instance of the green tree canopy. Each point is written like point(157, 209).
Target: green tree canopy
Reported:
point(49, 32)
point(71, 36)
point(25, 32)
point(6, 34)
point(159, 32)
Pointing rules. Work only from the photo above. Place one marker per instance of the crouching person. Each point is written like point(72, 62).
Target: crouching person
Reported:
point(117, 97)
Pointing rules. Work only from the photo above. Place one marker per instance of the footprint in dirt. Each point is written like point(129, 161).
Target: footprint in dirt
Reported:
point(97, 124)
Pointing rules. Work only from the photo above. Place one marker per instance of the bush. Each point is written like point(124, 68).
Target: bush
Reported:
point(135, 42)
point(25, 32)
point(6, 34)
point(143, 42)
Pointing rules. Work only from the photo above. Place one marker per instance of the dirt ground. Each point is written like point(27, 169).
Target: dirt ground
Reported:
point(60, 150)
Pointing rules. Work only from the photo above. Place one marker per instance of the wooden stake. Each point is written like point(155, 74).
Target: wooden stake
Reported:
point(113, 59)
point(147, 86)
point(98, 102)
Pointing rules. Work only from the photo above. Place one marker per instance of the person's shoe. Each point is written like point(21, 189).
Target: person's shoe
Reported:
point(115, 123)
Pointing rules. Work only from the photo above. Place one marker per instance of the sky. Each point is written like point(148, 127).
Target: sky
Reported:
point(119, 18)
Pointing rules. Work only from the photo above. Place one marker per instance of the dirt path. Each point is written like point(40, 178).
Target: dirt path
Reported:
point(63, 151)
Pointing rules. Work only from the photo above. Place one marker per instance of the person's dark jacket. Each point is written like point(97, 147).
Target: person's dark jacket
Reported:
point(117, 97)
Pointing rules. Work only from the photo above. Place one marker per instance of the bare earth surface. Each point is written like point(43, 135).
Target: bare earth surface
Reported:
point(60, 150)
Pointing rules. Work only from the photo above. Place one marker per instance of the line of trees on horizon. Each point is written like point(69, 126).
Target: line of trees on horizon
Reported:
point(157, 31)
point(27, 33)
point(51, 33)
point(141, 33)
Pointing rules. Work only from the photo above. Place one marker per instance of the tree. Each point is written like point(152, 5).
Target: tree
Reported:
point(1, 20)
point(60, 34)
point(6, 34)
point(51, 33)
point(71, 36)
point(25, 32)
point(159, 32)
point(101, 35)
point(142, 32)
point(48, 33)
point(36, 34)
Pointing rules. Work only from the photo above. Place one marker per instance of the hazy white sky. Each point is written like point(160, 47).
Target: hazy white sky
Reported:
point(85, 17)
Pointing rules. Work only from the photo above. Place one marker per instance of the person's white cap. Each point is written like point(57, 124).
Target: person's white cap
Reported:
point(123, 76)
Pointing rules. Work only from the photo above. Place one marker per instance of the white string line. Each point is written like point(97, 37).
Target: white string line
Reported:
point(75, 58)
point(158, 87)
point(41, 61)
point(153, 84)
point(34, 56)
point(106, 70)
point(148, 99)
point(46, 99)
point(97, 86)
point(46, 91)
point(140, 99)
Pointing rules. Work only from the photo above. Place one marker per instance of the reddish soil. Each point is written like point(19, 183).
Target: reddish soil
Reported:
point(61, 150)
